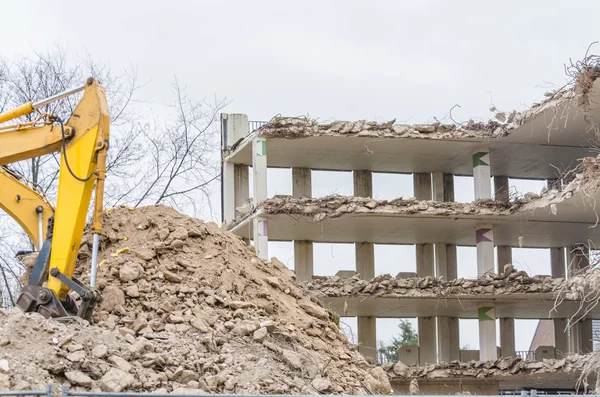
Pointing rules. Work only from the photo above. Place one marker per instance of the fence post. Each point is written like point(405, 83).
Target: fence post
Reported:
point(64, 391)
point(49, 391)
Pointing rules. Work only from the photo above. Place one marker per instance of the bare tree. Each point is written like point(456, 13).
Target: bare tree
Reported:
point(182, 154)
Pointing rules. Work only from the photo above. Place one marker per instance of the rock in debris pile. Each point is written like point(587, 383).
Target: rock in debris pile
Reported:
point(187, 307)
point(509, 282)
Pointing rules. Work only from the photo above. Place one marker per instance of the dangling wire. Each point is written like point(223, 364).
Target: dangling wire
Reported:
point(64, 151)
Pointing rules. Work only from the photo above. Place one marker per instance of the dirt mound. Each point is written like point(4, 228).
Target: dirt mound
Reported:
point(186, 306)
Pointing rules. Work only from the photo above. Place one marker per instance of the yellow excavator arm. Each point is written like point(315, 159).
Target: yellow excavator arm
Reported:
point(82, 142)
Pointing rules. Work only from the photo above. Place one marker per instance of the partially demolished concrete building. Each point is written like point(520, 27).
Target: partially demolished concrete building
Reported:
point(547, 142)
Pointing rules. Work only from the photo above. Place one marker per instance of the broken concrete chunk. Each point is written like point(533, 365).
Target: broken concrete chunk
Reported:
point(79, 378)
point(116, 380)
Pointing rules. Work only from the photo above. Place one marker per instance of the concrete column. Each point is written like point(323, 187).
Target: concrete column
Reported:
point(561, 337)
point(301, 182)
point(485, 250)
point(482, 174)
point(261, 237)
point(425, 264)
point(507, 337)
point(422, 186)
point(365, 260)
point(437, 180)
point(367, 337)
point(448, 187)
point(227, 192)
point(259, 168)
point(557, 262)
point(448, 339)
point(233, 128)
point(578, 259)
point(501, 189)
point(241, 185)
point(303, 260)
point(303, 250)
point(427, 342)
point(504, 253)
point(451, 261)
point(441, 260)
point(586, 336)
point(365, 266)
point(363, 184)
point(580, 337)
point(487, 331)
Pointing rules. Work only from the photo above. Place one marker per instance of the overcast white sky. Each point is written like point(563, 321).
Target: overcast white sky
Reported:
point(333, 60)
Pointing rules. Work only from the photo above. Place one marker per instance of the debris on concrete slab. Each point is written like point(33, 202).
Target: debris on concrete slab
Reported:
point(572, 96)
point(512, 282)
point(505, 366)
point(207, 316)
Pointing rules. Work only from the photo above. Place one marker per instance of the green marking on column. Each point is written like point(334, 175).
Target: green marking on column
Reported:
point(478, 159)
point(263, 148)
point(486, 313)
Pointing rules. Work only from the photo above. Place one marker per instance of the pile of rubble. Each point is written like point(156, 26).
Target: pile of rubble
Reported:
point(510, 282)
point(189, 308)
point(505, 366)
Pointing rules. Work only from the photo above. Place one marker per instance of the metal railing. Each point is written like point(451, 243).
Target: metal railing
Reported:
point(65, 392)
point(526, 355)
point(46, 393)
point(254, 125)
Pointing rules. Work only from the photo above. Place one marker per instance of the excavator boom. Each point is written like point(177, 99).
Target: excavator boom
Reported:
point(82, 142)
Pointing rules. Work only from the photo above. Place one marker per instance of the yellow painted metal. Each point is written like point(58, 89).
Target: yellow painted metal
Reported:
point(20, 202)
point(22, 110)
point(22, 144)
point(84, 153)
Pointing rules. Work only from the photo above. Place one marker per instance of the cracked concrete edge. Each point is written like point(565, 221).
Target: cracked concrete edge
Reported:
point(503, 124)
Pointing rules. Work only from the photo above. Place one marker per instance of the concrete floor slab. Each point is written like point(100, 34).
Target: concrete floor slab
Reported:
point(522, 306)
point(535, 231)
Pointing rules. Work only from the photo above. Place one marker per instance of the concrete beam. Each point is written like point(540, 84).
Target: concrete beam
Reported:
point(448, 339)
point(485, 250)
point(487, 332)
point(561, 337)
point(425, 261)
point(261, 237)
point(482, 174)
point(501, 189)
point(301, 182)
point(507, 337)
point(367, 337)
point(365, 260)
point(504, 254)
point(363, 184)
point(422, 186)
point(427, 340)
point(303, 260)
point(557, 262)
point(259, 169)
